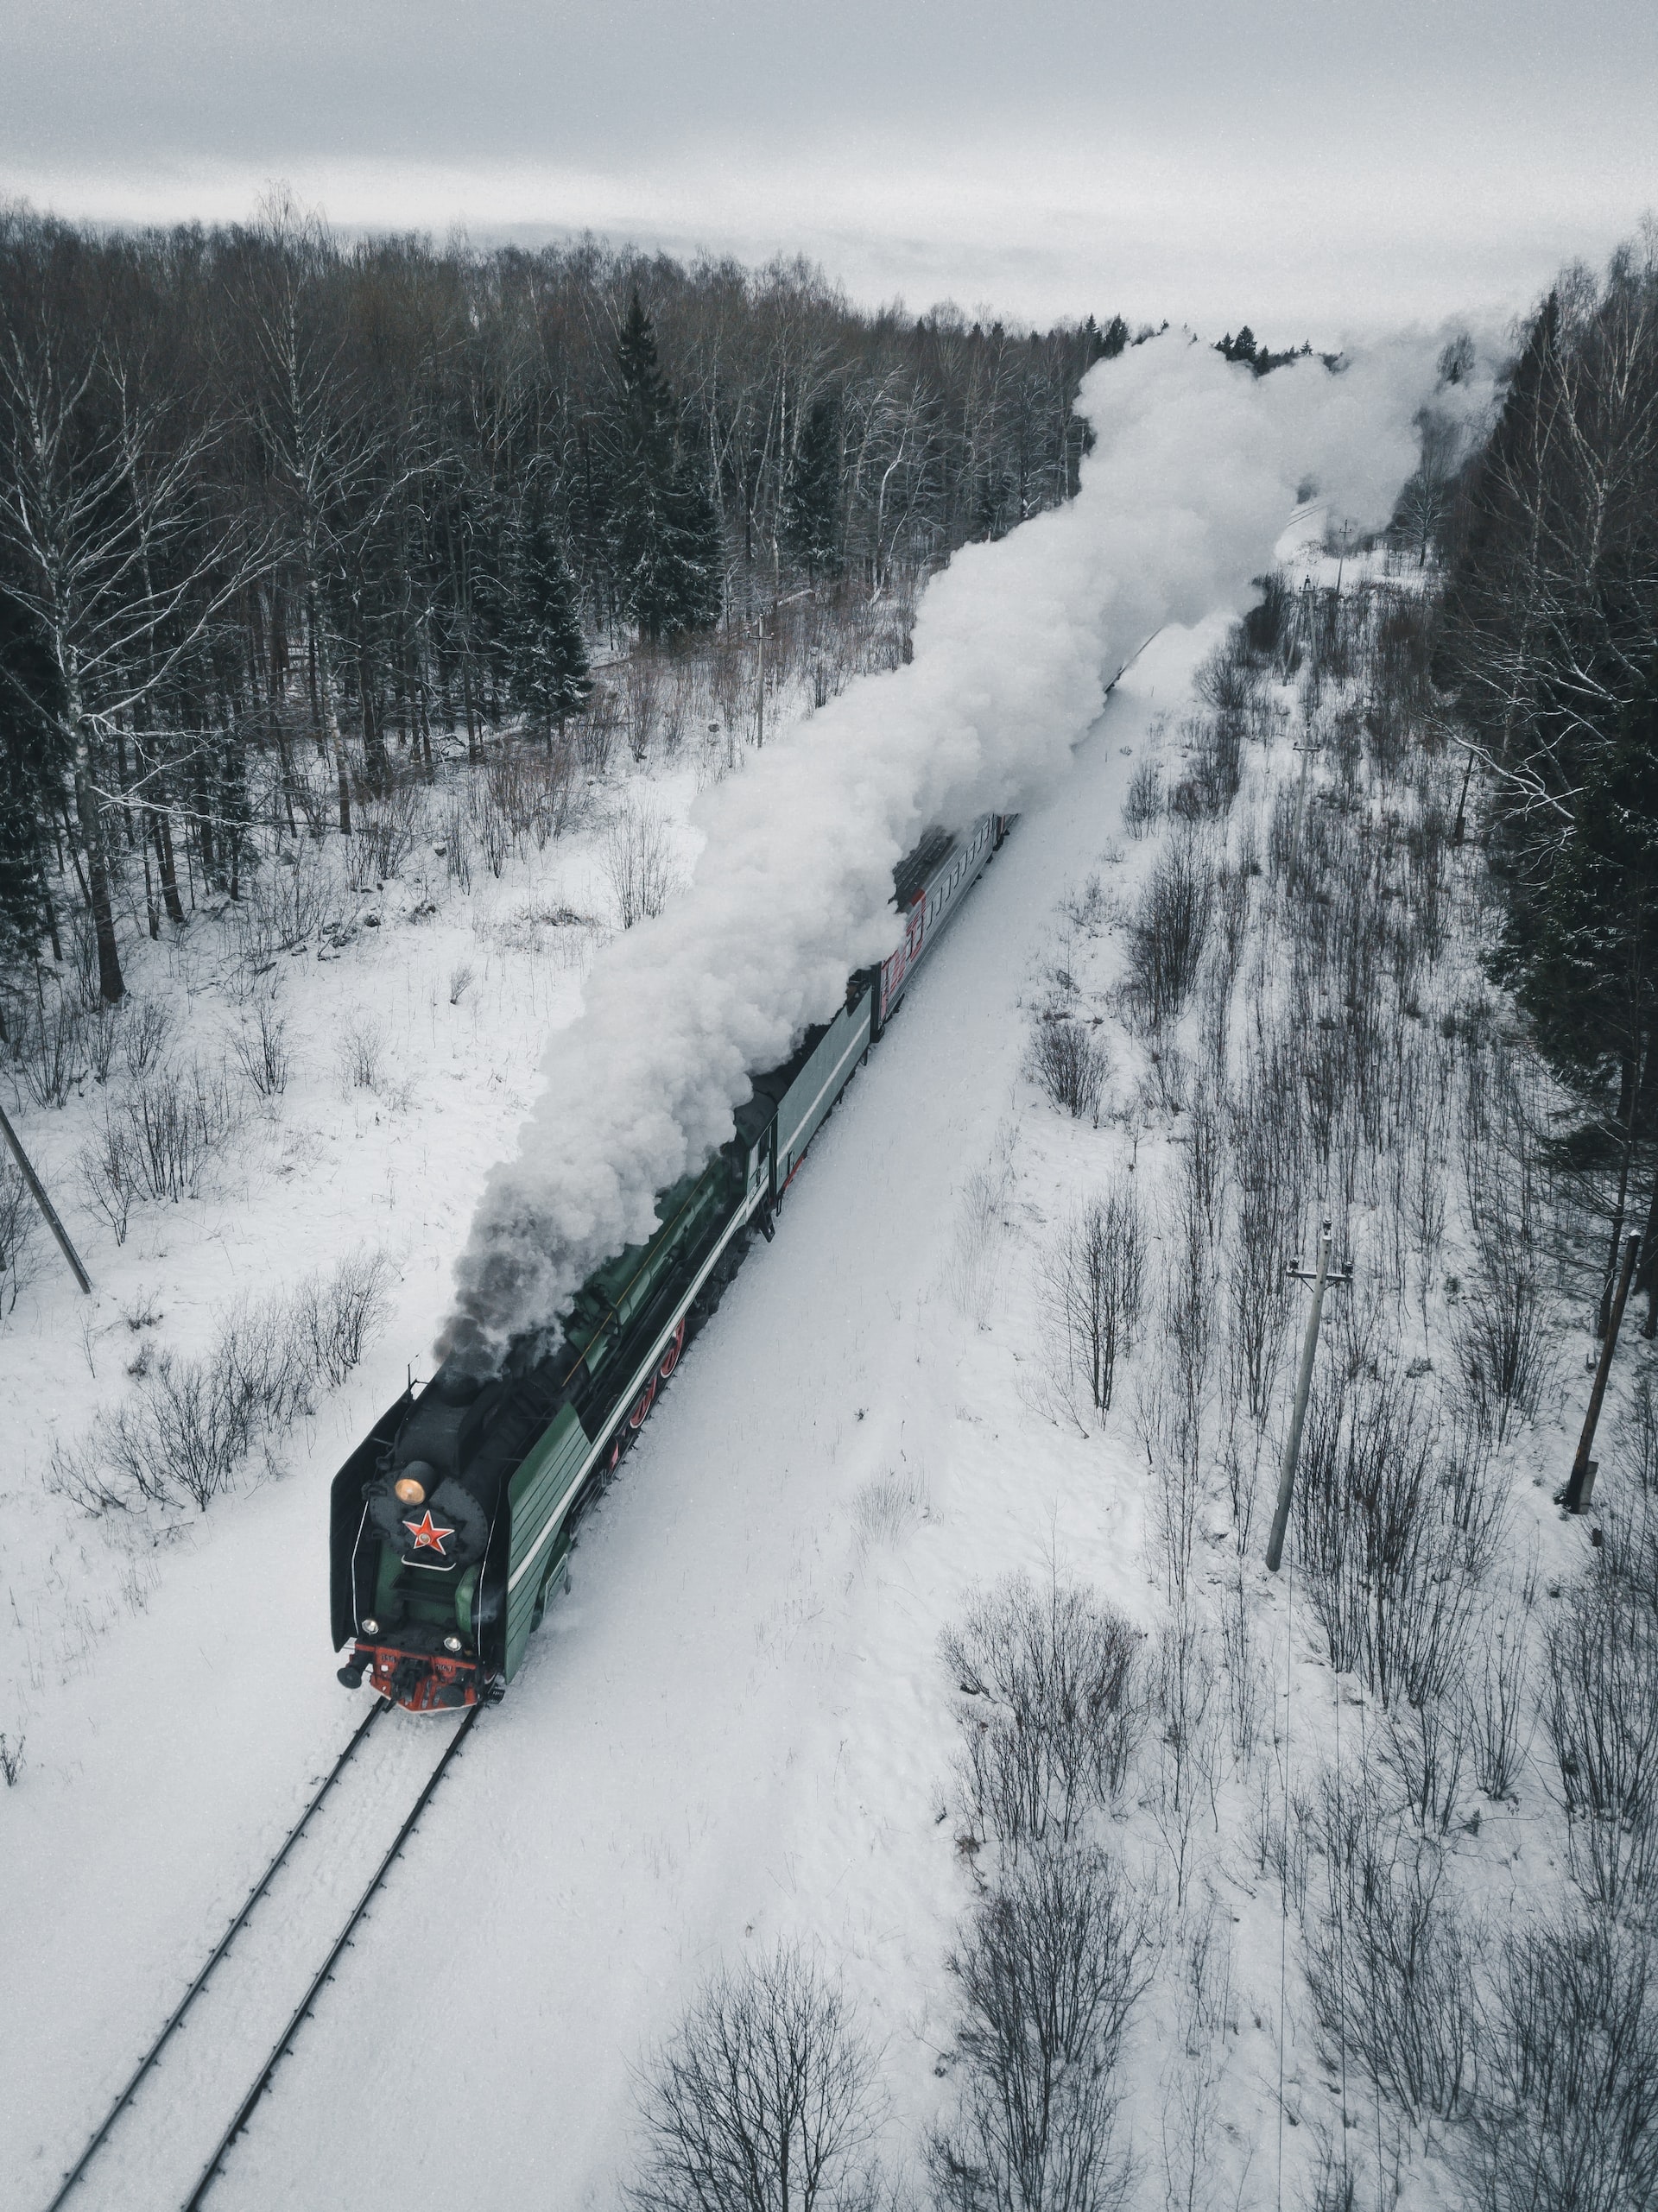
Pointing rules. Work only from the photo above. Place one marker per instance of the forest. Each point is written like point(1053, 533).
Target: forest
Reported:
point(270, 501)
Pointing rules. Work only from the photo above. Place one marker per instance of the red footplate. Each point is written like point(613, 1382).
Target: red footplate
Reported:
point(421, 1682)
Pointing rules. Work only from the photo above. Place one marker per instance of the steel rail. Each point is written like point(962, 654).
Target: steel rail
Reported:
point(224, 1941)
point(244, 2112)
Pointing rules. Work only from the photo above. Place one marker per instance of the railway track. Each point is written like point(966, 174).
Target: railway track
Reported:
point(165, 2137)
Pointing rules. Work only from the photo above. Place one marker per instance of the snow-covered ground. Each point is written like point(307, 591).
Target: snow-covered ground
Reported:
point(736, 1725)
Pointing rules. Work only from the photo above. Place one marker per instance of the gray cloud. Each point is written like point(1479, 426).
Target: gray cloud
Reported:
point(1309, 161)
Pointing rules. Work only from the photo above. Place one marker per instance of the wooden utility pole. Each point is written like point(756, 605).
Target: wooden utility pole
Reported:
point(1318, 1277)
point(1580, 1483)
point(43, 1202)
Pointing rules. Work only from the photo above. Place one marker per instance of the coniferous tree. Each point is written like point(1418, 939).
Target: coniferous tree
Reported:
point(700, 552)
point(812, 494)
point(32, 772)
point(664, 534)
point(1586, 954)
point(550, 677)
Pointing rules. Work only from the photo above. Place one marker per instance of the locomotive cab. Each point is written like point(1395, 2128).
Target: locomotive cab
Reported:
point(426, 1506)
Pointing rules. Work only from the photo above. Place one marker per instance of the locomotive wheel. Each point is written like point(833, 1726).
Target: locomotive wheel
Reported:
point(642, 1406)
point(671, 1356)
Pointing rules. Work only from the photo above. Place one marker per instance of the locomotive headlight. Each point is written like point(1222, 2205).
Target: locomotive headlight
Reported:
point(452, 1643)
point(370, 1628)
point(409, 1492)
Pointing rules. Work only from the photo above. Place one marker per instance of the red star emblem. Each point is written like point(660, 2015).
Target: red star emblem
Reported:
point(427, 1537)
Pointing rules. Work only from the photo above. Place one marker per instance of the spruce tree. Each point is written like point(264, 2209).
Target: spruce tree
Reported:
point(33, 766)
point(549, 668)
point(1585, 955)
point(811, 502)
point(663, 533)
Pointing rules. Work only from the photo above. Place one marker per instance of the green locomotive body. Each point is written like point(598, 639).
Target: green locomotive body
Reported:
point(451, 1520)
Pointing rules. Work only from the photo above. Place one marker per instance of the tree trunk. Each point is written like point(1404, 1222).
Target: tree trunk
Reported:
point(161, 829)
point(111, 984)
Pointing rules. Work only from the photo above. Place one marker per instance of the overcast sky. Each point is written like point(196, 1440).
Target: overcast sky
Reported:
point(1312, 168)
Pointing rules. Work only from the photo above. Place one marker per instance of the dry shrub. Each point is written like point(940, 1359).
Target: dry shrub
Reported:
point(1069, 1064)
point(1052, 1964)
point(1093, 1291)
point(1567, 2109)
point(181, 1435)
point(765, 2099)
point(1054, 1708)
point(1389, 1966)
point(1168, 930)
point(19, 1220)
point(639, 863)
point(1377, 1540)
point(1601, 1711)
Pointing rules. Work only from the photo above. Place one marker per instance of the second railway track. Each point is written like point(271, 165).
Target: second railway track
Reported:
point(197, 2081)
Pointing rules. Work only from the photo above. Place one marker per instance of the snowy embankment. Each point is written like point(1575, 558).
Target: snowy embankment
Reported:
point(736, 1725)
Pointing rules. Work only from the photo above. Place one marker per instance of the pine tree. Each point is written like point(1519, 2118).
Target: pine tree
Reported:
point(1586, 954)
point(549, 667)
point(811, 502)
point(664, 533)
point(33, 764)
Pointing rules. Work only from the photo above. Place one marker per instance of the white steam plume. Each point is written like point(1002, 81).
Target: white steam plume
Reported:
point(1192, 480)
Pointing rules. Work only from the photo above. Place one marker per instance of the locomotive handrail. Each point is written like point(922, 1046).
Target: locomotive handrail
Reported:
point(382, 1705)
point(244, 2112)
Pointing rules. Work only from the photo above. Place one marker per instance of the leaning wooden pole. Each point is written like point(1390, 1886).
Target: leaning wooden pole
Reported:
point(1297, 1419)
point(43, 1202)
point(1580, 1483)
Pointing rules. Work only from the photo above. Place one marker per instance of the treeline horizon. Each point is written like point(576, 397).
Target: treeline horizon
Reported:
point(262, 487)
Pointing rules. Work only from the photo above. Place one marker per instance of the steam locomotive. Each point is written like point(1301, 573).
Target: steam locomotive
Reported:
point(451, 1523)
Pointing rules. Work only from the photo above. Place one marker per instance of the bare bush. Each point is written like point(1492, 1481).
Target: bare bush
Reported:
point(159, 1142)
point(1187, 1740)
point(183, 1433)
point(360, 1051)
point(1052, 1967)
point(765, 2099)
point(1054, 1709)
point(1568, 2110)
point(639, 863)
point(1142, 803)
point(1389, 1966)
point(531, 794)
point(49, 1050)
point(1069, 1064)
point(461, 978)
point(1093, 1290)
point(108, 1176)
point(1377, 1545)
point(261, 1047)
point(145, 1038)
point(1499, 1705)
point(970, 1267)
point(386, 833)
point(19, 1219)
point(1503, 1338)
point(11, 1759)
point(642, 686)
point(1601, 1711)
point(338, 1314)
point(1168, 932)
point(1424, 1744)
